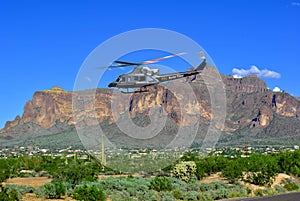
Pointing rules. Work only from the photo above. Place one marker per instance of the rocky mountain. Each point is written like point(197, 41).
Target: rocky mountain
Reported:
point(252, 110)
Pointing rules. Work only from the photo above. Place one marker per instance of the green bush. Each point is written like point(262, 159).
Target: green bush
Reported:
point(205, 197)
point(77, 173)
point(191, 195)
point(53, 190)
point(121, 196)
point(179, 184)
point(8, 194)
point(149, 195)
point(178, 194)
point(21, 189)
point(166, 196)
point(212, 186)
point(88, 193)
point(259, 192)
point(291, 186)
point(279, 189)
point(69, 188)
point(161, 184)
point(270, 191)
point(26, 175)
point(233, 171)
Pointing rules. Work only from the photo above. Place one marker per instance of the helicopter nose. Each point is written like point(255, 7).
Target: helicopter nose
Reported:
point(113, 84)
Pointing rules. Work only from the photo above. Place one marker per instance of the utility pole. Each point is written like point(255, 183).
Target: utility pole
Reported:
point(103, 162)
point(246, 148)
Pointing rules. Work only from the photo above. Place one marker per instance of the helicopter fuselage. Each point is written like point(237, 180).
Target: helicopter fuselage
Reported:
point(141, 77)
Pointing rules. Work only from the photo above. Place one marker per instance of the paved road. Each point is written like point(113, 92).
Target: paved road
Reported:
point(285, 197)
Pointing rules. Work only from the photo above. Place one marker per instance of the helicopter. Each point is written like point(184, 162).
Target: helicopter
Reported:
point(142, 76)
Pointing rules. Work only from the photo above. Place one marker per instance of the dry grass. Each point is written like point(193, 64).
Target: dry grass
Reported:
point(213, 178)
point(31, 181)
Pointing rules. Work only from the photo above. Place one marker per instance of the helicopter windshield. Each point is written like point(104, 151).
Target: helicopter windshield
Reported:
point(120, 79)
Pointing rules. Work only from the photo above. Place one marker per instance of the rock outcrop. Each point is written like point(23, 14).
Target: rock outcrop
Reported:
point(250, 105)
point(249, 84)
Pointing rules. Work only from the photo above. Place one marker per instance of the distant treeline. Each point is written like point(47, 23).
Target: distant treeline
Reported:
point(78, 178)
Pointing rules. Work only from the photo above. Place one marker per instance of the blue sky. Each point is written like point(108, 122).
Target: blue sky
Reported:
point(43, 43)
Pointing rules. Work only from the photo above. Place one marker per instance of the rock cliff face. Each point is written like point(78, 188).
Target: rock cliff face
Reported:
point(250, 105)
point(249, 84)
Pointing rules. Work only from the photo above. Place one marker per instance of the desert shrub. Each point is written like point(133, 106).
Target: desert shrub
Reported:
point(121, 196)
point(21, 189)
point(69, 188)
point(178, 194)
point(259, 192)
point(221, 194)
point(108, 183)
point(53, 190)
point(88, 193)
point(204, 197)
point(161, 184)
point(134, 186)
point(26, 175)
point(193, 186)
point(290, 186)
point(149, 195)
point(109, 173)
point(191, 195)
point(60, 189)
point(44, 174)
point(248, 191)
point(218, 194)
point(9, 194)
point(178, 183)
point(270, 191)
point(184, 170)
point(212, 186)
point(238, 190)
point(279, 189)
point(166, 196)
point(239, 193)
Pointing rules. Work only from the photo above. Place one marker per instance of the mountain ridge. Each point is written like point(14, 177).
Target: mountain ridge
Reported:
point(252, 109)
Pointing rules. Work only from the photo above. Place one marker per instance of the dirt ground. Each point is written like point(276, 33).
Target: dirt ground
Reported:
point(279, 178)
point(217, 177)
point(31, 181)
point(212, 178)
point(35, 182)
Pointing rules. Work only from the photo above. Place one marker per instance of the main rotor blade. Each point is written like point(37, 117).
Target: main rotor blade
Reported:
point(163, 58)
point(127, 63)
point(117, 66)
point(122, 64)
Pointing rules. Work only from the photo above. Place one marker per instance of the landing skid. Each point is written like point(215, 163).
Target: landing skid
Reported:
point(141, 90)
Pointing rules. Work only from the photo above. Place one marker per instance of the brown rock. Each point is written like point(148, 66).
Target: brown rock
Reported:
point(249, 104)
